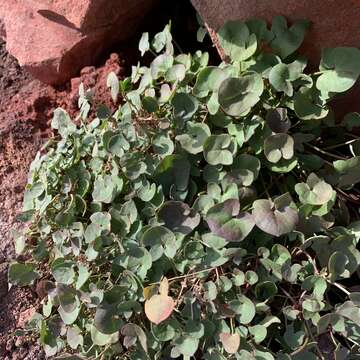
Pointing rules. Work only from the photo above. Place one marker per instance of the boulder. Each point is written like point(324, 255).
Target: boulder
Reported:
point(54, 39)
point(334, 23)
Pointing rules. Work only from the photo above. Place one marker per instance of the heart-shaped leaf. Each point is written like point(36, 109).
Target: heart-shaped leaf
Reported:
point(179, 217)
point(287, 40)
point(238, 95)
point(194, 138)
point(158, 308)
point(225, 221)
point(278, 120)
point(22, 274)
point(275, 217)
point(230, 342)
point(279, 146)
point(185, 106)
point(315, 191)
point(348, 170)
point(245, 170)
point(236, 40)
point(340, 69)
point(208, 81)
point(218, 149)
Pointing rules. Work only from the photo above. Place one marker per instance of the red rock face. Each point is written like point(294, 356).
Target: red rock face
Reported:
point(334, 23)
point(54, 39)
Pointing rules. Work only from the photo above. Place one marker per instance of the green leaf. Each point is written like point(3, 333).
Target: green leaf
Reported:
point(245, 170)
point(244, 308)
point(62, 123)
point(118, 145)
point(351, 121)
point(184, 105)
point(236, 40)
point(238, 95)
point(160, 236)
point(22, 274)
point(194, 138)
point(265, 290)
point(98, 338)
point(133, 332)
point(340, 68)
point(208, 81)
point(348, 170)
point(251, 277)
point(294, 338)
point(105, 188)
point(173, 170)
point(163, 39)
point(83, 276)
point(259, 333)
point(63, 271)
point(338, 266)
point(20, 241)
point(279, 146)
point(259, 28)
point(315, 191)
point(164, 331)
point(176, 73)
point(186, 345)
point(217, 149)
point(287, 40)
point(160, 65)
point(163, 145)
point(210, 291)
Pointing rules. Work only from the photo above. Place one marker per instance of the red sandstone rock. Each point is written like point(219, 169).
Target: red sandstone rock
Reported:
point(54, 39)
point(334, 23)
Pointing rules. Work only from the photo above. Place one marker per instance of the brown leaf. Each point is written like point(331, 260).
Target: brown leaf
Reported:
point(231, 342)
point(158, 308)
point(149, 291)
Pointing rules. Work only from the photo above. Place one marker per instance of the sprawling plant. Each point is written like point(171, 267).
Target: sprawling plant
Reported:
point(209, 217)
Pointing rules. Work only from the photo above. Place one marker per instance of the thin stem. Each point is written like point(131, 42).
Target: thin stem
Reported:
point(352, 135)
point(314, 340)
point(325, 152)
point(341, 287)
point(288, 295)
point(301, 348)
point(339, 145)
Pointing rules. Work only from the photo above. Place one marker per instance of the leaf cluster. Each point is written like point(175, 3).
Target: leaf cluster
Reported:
point(209, 217)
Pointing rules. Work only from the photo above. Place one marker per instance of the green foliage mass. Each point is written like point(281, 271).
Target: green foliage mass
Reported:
point(210, 217)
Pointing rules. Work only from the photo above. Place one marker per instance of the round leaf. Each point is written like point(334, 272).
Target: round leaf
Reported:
point(238, 95)
point(158, 308)
point(230, 342)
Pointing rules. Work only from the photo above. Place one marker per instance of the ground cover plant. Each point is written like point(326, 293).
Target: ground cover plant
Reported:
point(213, 216)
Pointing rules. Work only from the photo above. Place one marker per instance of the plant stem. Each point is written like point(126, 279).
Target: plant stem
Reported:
point(321, 356)
point(341, 287)
point(325, 152)
point(339, 145)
